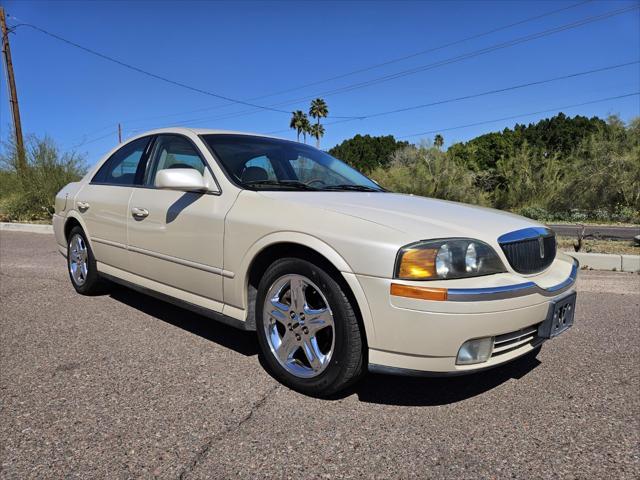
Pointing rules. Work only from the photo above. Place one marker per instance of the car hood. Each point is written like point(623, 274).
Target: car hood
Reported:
point(418, 217)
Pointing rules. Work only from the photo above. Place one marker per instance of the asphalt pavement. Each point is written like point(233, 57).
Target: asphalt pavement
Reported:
point(124, 386)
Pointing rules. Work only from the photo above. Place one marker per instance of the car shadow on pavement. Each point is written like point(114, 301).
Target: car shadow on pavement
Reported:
point(374, 388)
point(426, 391)
point(239, 341)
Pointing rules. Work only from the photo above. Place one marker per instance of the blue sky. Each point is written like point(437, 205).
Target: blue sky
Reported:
point(245, 50)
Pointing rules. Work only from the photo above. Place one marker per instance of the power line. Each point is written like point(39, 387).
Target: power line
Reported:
point(482, 94)
point(428, 50)
point(433, 65)
point(87, 142)
point(150, 74)
point(382, 64)
point(273, 107)
point(462, 57)
point(502, 90)
point(512, 117)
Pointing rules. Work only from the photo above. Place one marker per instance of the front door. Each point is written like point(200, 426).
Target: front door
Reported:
point(176, 237)
point(104, 202)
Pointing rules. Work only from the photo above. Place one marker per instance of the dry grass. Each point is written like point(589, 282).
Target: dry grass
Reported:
point(599, 246)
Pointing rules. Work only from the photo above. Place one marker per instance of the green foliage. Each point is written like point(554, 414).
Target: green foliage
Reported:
point(30, 195)
point(607, 169)
point(367, 153)
point(300, 123)
point(528, 178)
point(318, 110)
point(559, 169)
point(427, 171)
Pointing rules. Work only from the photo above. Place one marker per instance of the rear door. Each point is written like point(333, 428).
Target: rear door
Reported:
point(103, 203)
point(178, 239)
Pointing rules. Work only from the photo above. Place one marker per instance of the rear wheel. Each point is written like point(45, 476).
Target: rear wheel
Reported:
point(307, 328)
point(81, 264)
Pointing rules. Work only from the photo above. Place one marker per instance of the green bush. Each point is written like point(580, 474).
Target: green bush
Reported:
point(562, 169)
point(427, 171)
point(528, 179)
point(28, 194)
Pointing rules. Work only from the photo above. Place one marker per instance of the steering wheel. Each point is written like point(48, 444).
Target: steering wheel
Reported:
point(315, 180)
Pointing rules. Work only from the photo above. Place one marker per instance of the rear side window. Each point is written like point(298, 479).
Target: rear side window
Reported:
point(121, 167)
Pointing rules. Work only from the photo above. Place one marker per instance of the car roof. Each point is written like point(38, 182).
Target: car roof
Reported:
point(201, 131)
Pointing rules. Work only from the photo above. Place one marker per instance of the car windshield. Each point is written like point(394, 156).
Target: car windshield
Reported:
point(271, 164)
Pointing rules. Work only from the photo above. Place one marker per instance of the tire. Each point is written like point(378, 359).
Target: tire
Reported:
point(81, 264)
point(310, 342)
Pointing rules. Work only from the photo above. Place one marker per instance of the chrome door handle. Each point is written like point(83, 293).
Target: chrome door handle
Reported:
point(139, 212)
point(83, 206)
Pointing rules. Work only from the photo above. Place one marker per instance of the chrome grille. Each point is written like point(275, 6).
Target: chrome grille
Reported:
point(510, 341)
point(529, 251)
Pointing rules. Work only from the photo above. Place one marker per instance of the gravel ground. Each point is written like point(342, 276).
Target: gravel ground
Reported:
point(124, 386)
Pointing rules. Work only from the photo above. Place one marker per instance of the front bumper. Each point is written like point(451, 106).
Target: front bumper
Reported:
point(418, 336)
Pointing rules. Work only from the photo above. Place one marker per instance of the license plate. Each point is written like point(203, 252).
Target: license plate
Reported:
point(559, 318)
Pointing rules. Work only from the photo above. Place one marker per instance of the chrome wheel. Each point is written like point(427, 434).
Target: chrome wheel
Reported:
point(299, 326)
point(78, 259)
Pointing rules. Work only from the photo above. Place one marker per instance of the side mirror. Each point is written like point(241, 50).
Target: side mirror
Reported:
point(184, 179)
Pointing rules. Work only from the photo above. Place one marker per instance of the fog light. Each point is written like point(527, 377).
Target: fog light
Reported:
point(475, 351)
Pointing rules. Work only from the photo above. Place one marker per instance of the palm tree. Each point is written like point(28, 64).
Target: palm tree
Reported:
point(318, 110)
point(317, 131)
point(438, 141)
point(305, 126)
point(297, 122)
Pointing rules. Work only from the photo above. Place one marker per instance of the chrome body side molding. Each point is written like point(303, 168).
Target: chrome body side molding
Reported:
point(512, 291)
point(168, 258)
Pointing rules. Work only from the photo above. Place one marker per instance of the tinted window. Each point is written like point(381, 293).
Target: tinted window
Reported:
point(261, 162)
point(173, 151)
point(121, 167)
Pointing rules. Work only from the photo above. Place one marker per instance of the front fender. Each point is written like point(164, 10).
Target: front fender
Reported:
point(236, 289)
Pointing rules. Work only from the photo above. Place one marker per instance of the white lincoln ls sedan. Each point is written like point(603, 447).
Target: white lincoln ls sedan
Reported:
point(335, 274)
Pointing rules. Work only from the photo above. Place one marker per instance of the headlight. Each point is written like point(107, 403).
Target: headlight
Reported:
point(446, 259)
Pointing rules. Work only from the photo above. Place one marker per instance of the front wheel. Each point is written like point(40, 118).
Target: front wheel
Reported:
point(307, 328)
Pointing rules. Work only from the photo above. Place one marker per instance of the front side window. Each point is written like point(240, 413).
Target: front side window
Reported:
point(121, 167)
point(173, 151)
point(268, 163)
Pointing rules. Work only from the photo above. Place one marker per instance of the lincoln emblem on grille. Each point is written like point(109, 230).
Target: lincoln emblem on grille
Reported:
point(541, 245)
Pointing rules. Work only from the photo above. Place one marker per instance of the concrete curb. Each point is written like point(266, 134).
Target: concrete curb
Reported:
point(594, 261)
point(26, 227)
point(607, 261)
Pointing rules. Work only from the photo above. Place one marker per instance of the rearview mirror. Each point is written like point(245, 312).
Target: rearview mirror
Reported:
point(183, 179)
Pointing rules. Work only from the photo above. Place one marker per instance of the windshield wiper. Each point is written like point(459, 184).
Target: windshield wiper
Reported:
point(281, 183)
point(355, 188)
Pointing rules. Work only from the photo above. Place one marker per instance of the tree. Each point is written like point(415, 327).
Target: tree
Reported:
point(318, 110)
point(438, 141)
point(316, 132)
point(428, 171)
point(366, 153)
point(306, 126)
point(297, 122)
point(29, 195)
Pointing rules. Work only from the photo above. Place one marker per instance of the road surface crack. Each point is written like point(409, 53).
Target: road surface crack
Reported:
point(206, 447)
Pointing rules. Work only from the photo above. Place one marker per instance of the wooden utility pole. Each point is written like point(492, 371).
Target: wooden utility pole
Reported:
point(119, 134)
point(13, 94)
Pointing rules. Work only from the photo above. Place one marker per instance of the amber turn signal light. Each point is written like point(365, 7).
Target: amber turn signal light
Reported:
point(417, 264)
point(422, 293)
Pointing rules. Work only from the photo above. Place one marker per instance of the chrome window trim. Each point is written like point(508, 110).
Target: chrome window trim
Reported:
point(512, 291)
